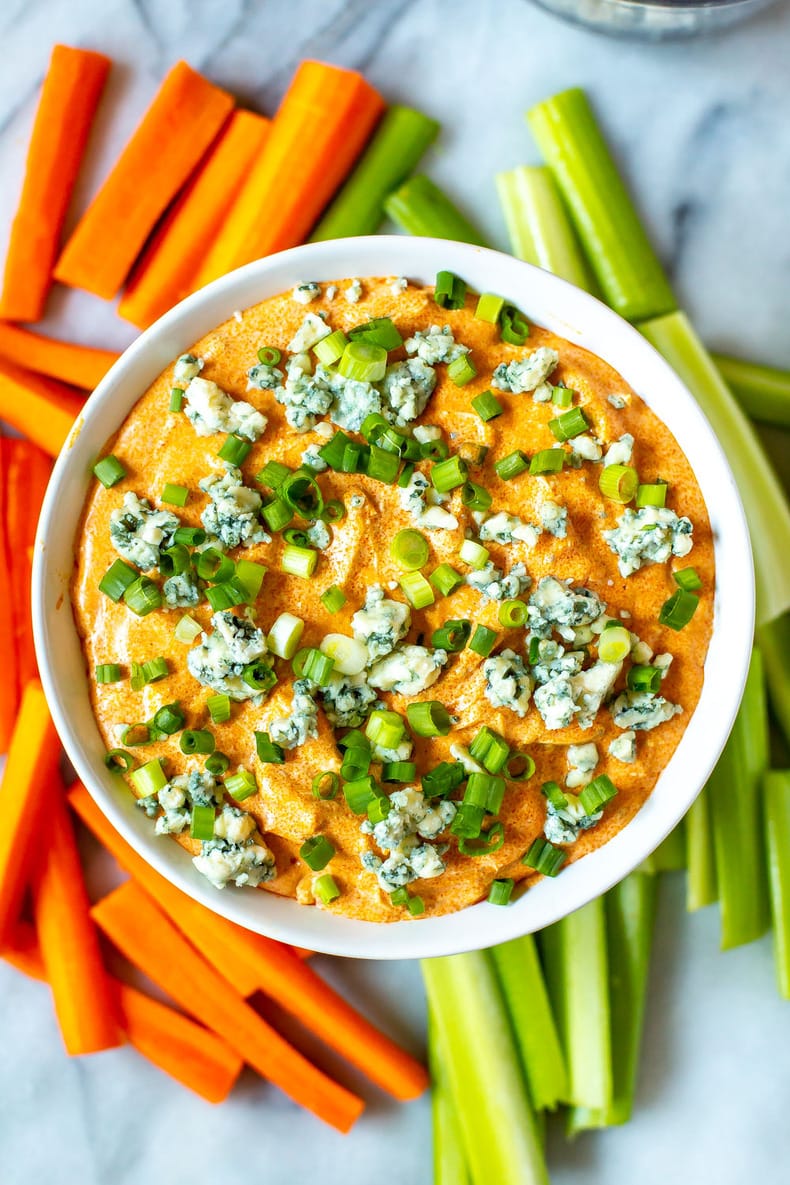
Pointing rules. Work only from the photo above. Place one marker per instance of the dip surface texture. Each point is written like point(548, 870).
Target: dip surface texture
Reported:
point(568, 516)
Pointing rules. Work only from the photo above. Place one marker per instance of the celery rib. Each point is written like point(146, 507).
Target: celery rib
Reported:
point(773, 638)
point(701, 887)
point(449, 1165)
point(397, 146)
point(498, 1129)
point(776, 793)
point(537, 226)
point(618, 249)
point(670, 855)
point(762, 391)
point(420, 208)
point(524, 988)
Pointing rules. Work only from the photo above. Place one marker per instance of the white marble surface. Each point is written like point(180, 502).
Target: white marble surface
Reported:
point(702, 129)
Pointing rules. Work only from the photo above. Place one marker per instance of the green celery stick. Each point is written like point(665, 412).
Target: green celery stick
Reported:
point(701, 888)
point(762, 391)
point(627, 269)
point(735, 812)
point(449, 1165)
point(575, 958)
point(420, 208)
point(766, 507)
point(483, 1073)
point(539, 229)
point(524, 988)
point(397, 145)
point(773, 639)
point(776, 792)
point(670, 855)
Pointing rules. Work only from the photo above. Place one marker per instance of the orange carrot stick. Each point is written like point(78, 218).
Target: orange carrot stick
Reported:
point(166, 272)
point(147, 937)
point(10, 683)
point(84, 1004)
point(30, 767)
point(41, 409)
point(188, 1052)
point(320, 128)
point(72, 88)
point(176, 130)
point(83, 366)
point(27, 474)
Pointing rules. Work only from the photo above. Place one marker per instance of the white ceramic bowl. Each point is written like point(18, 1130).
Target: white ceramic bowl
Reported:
point(546, 300)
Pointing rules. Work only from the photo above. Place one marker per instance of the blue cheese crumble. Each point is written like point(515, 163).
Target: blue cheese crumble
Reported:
point(301, 723)
point(435, 344)
point(642, 710)
point(556, 605)
point(494, 585)
point(566, 698)
point(508, 684)
point(563, 824)
point(553, 518)
point(232, 515)
point(381, 624)
point(414, 498)
point(408, 670)
point(623, 748)
point(312, 330)
point(263, 377)
point(649, 535)
point(527, 373)
point(353, 294)
point(210, 410)
point(312, 460)
point(220, 658)
point(306, 293)
point(582, 760)
point(407, 387)
point(187, 367)
point(348, 700)
point(506, 528)
point(138, 532)
point(621, 451)
point(182, 591)
point(237, 854)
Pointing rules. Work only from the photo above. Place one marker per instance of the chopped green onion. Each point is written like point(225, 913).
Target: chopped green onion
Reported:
point(483, 641)
point(109, 471)
point(251, 577)
point(378, 809)
point(501, 891)
point(373, 427)
point(333, 451)
point(334, 510)
point(533, 653)
point(461, 370)
point(234, 450)
point(155, 669)
point(149, 778)
point(688, 579)
point(302, 493)
point(445, 579)
point(285, 635)
point(644, 678)
point(553, 794)
point(448, 474)
point(175, 495)
point(468, 821)
point(489, 841)
point(325, 785)
point(269, 355)
point(217, 763)
point(333, 599)
point(548, 460)
point(108, 672)
point(143, 596)
point(297, 536)
point(475, 497)
point(429, 718)
point(471, 453)
point(218, 708)
point(485, 791)
point(490, 749)
point(359, 793)
point(176, 398)
point(259, 676)
point(678, 611)
point(392, 440)
point(202, 823)
point(326, 888)
point(241, 785)
point(449, 291)
point(513, 326)
point(214, 565)
point(440, 781)
point(273, 475)
point(267, 750)
point(614, 644)
point(489, 307)
point(299, 561)
point(487, 406)
point(417, 590)
point(356, 762)
point(474, 554)
point(561, 396)
point(136, 734)
point(316, 852)
point(385, 729)
point(618, 482)
point(317, 667)
point(363, 361)
point(187, 630)
point(512, 614)
point(381, 465)
point(544, 857)
point(512, 465)
point(190, 536)
point(276, 514)
point(169, 719)
point(410, 549)
point(434, 450)
point(398, 771)
point(174, 560)
point(596, 794)
point(569, 424)
point(197, 740)
point(380, 332)
point(415, 906)
point(355, 457)
point(652, 495)
point(226, 595)
point(519, 767)
point(115, 581)
point(118, 761)
point(329, 349)
point(452, 636)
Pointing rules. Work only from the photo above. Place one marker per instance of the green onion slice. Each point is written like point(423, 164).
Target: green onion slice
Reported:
point(548, 460)
point(501, 891)
point(687, 578)
point(445, 579)
point(618, 482)
point(410, 549)
point(417, 590)
point(452, 636)
point(483, 641)
point(678, 611)
point(119, 761)
point(316, 852)
point(544, 857)
point(363, 361)
point(489, 841)
point(267, 750)
point(197, 740)
point(512, 614)
point(429, 718)
point(109, 471)
point(326, 785)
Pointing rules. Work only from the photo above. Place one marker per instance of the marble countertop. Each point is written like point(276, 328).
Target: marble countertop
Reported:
point(701, 129)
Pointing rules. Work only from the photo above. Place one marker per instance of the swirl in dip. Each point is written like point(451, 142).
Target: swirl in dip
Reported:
point(239, 647)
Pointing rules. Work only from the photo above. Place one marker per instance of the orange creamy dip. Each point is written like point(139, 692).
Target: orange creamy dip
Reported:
point(156, 447)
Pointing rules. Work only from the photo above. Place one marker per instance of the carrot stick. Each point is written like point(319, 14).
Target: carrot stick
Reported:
point(320, 129)
point(188, 1052)
point(147, 937)
point(174, 133)
point(166, 272)
point(30, 767)
point(69, 97)
point(27, 474)
point(9, 684)
point(41, 409)
point(84, 366)
point(84, 1005)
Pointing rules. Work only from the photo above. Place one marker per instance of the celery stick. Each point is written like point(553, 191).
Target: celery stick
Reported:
point(774, 642)
point(399, 141)
point(762, 391)
point(524, 988)
point(483, 1073)
point(420, 208)
point(735, 811)
point(539, 229)
point(776, 792)
point(449, 1165)
point(701, 888)
point(626, 267)
point(575, 957)
point(670, 855)
point(764, 502)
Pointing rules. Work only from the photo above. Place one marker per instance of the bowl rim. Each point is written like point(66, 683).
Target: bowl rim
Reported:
point(571, 313)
